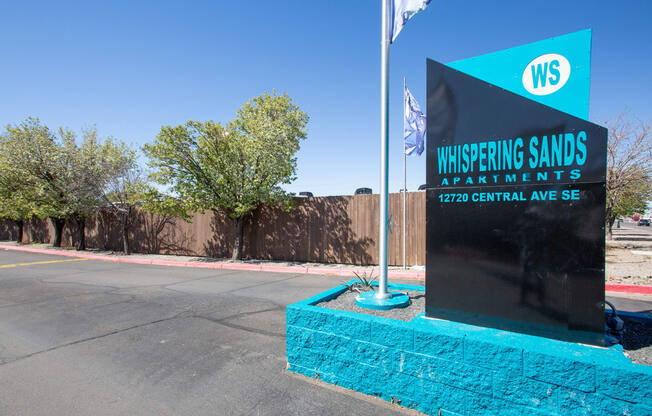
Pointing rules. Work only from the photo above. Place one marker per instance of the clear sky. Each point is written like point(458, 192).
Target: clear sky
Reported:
point(130, 67)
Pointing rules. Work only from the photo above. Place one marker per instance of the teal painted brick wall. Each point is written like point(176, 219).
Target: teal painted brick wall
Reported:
point(559, 370)
point(456, 369)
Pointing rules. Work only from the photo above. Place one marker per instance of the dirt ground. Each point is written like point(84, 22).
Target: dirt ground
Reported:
point(629, 255)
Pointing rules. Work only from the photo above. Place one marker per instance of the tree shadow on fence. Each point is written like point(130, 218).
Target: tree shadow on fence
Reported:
point(107, 235)
point(219, 243)
point(39, 231)
point(316, 230)
point(332, 233)
point(162, 234)
point(8, 230)
point(324, 230)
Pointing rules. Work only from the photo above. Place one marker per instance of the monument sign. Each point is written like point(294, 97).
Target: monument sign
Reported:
point(515, 209)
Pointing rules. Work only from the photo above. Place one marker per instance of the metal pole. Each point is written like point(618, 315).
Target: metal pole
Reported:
point(382, 293)
point(404, 179)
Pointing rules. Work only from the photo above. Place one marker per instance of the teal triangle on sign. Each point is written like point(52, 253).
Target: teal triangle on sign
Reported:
point(555, 72)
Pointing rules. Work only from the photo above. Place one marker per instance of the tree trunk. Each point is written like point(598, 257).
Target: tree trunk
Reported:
point(81, 232)
point(21, 228)
point(609, 221)
point(58, 224)
point(610, 224)
point(237, 243)
point(125, 234)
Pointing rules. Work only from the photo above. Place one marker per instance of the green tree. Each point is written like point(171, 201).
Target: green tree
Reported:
point(37, 153)
point(125, 187)
point(66, 178)
point(629, 168)
point(632, 200)
point(18, 193)
point(127, 190)
point(233, 168)
point(85, 179)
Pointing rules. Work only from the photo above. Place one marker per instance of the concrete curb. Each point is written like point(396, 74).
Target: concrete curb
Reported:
point(324, 271)
point(327, 271)
point(634, 289)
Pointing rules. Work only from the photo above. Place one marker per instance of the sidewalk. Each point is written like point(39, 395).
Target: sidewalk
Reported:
point(344, 270)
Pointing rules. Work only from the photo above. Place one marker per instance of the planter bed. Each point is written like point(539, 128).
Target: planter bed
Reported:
point(448, 368)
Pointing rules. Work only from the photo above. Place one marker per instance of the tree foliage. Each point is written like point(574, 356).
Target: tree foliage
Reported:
point(18, 192)
point(125, 186)
point(235, 167)
point(633, 199)
point(127, 189)
point(85, 178)
point(629, 168)
point(60, 175)
point(37, 153)
point(86, 174)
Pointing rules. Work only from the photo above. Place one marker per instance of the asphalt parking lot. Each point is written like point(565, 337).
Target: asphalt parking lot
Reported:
point(87, 337)
point(98, 338)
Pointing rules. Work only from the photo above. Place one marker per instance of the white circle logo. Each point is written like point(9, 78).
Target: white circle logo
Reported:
point(546, 74)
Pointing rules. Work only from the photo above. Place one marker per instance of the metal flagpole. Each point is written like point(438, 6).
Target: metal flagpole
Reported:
point(382, 293)
point(404, 178)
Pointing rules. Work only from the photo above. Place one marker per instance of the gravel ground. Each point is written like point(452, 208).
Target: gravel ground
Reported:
point(637, 341)
point(626, 260)
point(623, 266)
point(346, 302)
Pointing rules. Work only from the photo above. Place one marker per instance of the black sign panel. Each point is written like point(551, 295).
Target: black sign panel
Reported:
point(515, 212)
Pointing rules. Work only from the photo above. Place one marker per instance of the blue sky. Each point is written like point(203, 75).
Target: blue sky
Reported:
point(130, 67)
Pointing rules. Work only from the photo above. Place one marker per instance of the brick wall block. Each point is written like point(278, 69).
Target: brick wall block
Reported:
point(633, 384)
point(526, 391)
point(573, 402)
point(395, 334)
point(452, 373)
point(497, 355)
point(436, 342)
point(561, 371)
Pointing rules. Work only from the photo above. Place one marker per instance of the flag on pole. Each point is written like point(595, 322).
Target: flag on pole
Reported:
point(403, 10)
point(414, 125)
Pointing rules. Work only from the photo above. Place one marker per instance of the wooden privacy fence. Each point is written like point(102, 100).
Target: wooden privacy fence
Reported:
point(334, 229)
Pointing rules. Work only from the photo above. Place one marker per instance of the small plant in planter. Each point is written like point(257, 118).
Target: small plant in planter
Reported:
point(363, 284)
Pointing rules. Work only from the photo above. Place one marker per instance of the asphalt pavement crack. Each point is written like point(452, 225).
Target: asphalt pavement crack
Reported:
point(262, 284)
point(62, 282)
point(80, 341)
point(243, 314)
point(223, 322)
point(35, 302)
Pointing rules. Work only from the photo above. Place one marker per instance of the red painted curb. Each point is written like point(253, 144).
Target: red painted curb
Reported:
point(636, 289)
point(203, 265)
point(285, 269)
point(122, 260)
point(328, 271)
point(408, 275)
point(234, 266)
